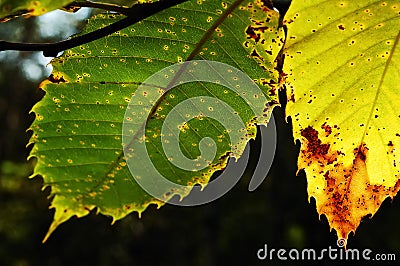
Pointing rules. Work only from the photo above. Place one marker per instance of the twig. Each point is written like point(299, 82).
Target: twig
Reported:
point(136, 14)
point(109, 7)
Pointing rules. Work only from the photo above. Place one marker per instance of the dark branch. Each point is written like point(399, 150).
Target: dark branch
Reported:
point(109, 7)
point(136, 14)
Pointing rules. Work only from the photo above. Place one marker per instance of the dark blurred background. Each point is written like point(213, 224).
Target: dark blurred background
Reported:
point(228, 231)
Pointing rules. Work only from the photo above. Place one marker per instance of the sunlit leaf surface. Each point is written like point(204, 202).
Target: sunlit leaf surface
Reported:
point(343, 68)
point(77, 130)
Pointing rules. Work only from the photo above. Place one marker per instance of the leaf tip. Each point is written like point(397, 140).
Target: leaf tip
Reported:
point(60, 217)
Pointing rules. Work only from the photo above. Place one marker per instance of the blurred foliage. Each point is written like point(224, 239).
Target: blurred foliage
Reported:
point(19, 82)
point(228, 231)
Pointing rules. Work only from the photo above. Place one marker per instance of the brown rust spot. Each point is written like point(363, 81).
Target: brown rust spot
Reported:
point(56, 79)
point(272, 91)
point(391, 149)
point(254, 53)
point(314, 144)
point(271, 103)
point(327, 129)
point(251, 34)
point(254, 32)
point(290, 95)
point(361, 152)
point(348, 196)
point(330, 182)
